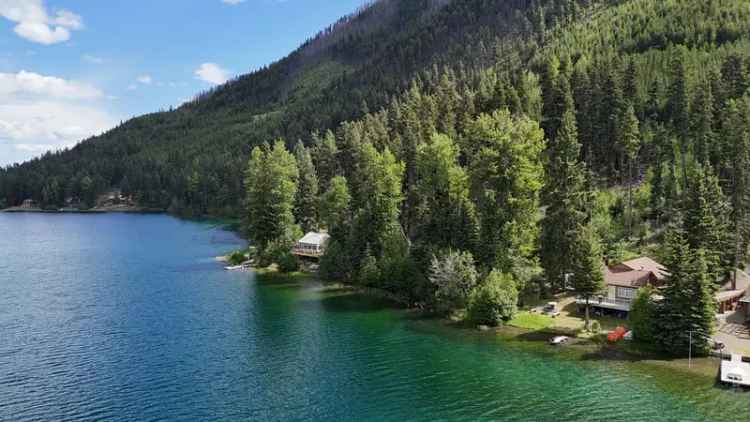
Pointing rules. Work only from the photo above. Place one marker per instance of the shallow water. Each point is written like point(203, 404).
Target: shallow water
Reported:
point(128, 317)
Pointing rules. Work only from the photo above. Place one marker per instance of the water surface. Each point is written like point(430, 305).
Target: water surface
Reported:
point(128, 317)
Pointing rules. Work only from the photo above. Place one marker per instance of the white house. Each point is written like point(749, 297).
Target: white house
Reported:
point(313, 245)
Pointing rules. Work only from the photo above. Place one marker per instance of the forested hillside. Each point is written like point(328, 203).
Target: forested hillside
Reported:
point(189, 159)
point(622, 130)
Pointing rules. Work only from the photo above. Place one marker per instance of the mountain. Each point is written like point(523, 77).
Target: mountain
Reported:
point(495, 54)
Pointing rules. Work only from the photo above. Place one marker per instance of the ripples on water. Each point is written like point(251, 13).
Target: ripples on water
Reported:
point(125, 317)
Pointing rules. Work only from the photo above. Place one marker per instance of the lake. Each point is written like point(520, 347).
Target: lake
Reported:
point(129, 317)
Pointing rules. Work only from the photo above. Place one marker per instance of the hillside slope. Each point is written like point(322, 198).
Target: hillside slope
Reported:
point(191, 159)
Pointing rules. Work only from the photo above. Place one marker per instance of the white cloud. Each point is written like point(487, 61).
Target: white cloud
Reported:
point(40, 113)
point(29, 84)
point(232, 2)
point(35, 24)
point(90, 58)
point(145, 79)
point(132, 87)
point(212, 73)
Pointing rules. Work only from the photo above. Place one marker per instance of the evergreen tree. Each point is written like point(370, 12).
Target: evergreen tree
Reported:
point(271, 183)
point(447, 217)
point(325, 155)
point(587, 265)
point(306, 200)
point(566, 202)
point(706, 222)
point(702, 119)
point(629, 142)
point(688, 309)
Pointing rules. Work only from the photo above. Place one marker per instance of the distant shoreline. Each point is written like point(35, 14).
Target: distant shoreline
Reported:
point(104, 210)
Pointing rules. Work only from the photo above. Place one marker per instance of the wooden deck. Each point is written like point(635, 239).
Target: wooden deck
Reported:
point(307, 253)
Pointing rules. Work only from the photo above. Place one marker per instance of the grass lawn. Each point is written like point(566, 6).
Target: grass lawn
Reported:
point(531, 321)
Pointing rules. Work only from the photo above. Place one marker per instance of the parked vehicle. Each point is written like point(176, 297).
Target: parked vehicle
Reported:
point(551, 309)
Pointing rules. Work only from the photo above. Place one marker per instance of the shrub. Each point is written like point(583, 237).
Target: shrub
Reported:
point(496, 301)
point(335, 264)
point(595, 327)
point(236, 258)
point(287, 262)
point(643, 316)
point(454, 276)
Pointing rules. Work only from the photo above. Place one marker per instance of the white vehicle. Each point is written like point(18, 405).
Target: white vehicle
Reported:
point(559, 340)
point(551, 309)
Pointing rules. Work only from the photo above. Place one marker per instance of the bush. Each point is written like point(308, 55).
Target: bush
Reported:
point(369, 274)
point(595, 326)
point(496, 301)
point(335, 264)
point(287, 262)
point(643, 316)
point(454, 277)
point(236, 258)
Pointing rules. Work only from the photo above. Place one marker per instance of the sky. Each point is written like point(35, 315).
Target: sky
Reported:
point(70, 69)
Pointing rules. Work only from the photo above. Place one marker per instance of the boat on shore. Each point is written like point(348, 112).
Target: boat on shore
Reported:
point(245, 266)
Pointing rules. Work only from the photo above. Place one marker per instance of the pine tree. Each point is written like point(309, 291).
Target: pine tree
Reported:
point(587, 265)
point(271, 183)
point(688, 309)
point(306, 201)
point(706, 229)
point(447, 217)
point(565, 199)
point(703, 125)
point(325, 155)
point(629, 142)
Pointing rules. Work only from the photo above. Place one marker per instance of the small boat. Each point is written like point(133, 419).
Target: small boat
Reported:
point(234, 268)
point(559, 340)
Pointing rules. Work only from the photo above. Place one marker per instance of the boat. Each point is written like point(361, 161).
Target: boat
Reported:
point(242, 267)
point(735, 370)
point(559, 340)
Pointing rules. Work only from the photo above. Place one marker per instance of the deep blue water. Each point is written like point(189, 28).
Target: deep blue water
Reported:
point(129, 318)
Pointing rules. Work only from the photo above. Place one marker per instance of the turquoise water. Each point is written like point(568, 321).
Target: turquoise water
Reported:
point(128, 317)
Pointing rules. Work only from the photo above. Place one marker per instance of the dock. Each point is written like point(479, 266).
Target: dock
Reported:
point(735, 370)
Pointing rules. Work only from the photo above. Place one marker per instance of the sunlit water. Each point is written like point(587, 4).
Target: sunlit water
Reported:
point(128, 317)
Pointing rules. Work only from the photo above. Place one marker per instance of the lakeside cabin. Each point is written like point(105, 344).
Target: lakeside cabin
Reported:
point(313, 245)
point(624, 280)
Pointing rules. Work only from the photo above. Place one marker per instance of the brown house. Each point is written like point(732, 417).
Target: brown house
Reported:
point(623, 281)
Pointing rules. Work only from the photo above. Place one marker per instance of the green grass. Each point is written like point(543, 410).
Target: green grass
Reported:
point(530, 321)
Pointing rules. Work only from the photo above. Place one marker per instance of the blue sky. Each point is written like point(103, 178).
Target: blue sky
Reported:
point(73, 68)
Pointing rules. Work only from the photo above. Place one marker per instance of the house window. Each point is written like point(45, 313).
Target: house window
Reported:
point(625, 293)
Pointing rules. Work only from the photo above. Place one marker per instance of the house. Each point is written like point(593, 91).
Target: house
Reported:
point(730, 295)
point(28, 204)
point(623, 281)
point(312, 245)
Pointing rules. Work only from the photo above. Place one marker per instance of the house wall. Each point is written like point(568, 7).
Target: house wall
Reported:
point(611, 292)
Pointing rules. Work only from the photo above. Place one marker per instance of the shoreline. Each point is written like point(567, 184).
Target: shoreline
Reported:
point(17, 210)
point(702, 370)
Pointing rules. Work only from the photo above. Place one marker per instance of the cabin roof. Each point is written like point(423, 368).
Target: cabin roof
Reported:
point(635, 273)
point(648, 265)
point(315, 238)
point(726, 292)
